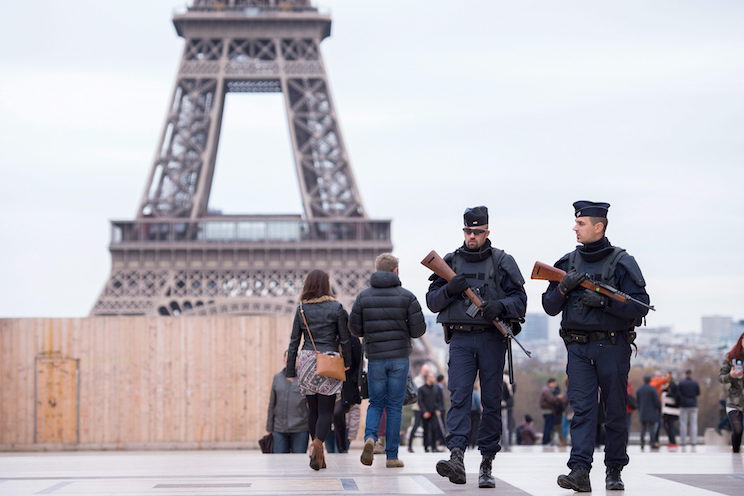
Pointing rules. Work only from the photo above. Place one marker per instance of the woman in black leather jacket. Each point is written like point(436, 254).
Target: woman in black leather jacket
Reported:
point(328, 322)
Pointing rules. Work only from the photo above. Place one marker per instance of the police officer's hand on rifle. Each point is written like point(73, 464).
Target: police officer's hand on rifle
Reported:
point(492, 309)
point(570, 282)
point(594, 300)
point(457, 285)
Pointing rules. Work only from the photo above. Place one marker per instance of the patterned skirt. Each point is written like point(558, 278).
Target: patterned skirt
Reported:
point(310, 382)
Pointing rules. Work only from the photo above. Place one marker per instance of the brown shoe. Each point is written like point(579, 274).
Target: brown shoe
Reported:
point(317, 456)
point(368, 452)
point(380, 446)
point(394, 463)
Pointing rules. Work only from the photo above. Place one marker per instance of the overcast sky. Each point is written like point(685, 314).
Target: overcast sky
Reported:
point(522, 106)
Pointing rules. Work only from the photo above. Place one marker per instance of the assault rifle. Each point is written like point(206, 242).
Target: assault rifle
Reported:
point(547, 272)
point(436, 264)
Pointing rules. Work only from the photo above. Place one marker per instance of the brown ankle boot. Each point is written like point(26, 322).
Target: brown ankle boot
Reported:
point(316, 452)
point(321, 455)
point(317, 456)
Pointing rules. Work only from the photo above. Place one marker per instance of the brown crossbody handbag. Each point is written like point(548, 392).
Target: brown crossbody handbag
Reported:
point(325, 364)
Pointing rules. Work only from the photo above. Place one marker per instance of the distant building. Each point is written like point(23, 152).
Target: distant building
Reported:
point(736, 329)
point(653, 336)
point(535, 327)
point(717, 328)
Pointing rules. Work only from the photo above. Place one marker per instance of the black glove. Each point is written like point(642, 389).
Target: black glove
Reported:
point(570, 282)
point(457, 285)
point(593, 299)
point(492, 309)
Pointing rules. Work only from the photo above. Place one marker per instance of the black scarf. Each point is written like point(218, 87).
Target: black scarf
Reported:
point(481, 253)
point(592, 252)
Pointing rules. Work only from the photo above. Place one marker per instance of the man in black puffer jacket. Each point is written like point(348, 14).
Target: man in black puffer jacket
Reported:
point(387, 316)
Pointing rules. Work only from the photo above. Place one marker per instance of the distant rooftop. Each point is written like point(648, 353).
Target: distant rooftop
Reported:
point(223, 5)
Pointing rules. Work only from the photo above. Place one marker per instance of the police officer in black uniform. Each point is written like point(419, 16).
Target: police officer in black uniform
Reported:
point(598, 333)
point(475, 345)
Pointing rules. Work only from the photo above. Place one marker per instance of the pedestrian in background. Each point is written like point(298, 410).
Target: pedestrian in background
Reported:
point(431, 405)
point(349, 397)
point(507, 410)
point(648, 411)
point(526, 434)
point(321, 317)
point(353, 417)
point(732, 373)
point(670, 409)
point(387, 316)
point(287, 418)
point(689, 390)
point(416, 420)
point(446, 403)
point(549, 403)
point(659, 382)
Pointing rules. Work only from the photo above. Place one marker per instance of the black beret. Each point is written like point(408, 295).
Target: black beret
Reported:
point(590, 209)
point(476, 216)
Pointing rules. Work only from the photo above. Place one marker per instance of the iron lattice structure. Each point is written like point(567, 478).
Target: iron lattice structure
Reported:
point(175, 258)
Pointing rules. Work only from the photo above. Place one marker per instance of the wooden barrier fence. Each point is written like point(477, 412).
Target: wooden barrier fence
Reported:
point(137, 382)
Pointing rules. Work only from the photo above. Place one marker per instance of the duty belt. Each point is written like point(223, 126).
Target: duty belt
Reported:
point(583, 337)
point(467, 328)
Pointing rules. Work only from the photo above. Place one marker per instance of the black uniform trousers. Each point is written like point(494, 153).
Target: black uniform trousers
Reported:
point(593, 366)
point(471, 353)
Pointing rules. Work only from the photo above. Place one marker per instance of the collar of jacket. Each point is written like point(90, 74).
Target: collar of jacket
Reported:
point(320, 299)
point(384, 279)
point(475, 256)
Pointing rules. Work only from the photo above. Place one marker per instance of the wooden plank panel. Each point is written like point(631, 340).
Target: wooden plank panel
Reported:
point(27, 340)
point(9, 391)
point(56, 400)
point(84, 350)
point(181, 366)
point(147, 379)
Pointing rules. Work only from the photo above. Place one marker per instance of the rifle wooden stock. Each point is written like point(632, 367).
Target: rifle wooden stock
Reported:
point(436, 264)
point(547, 272)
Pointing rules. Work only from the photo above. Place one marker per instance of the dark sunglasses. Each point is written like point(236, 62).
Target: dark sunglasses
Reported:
point(470, 231)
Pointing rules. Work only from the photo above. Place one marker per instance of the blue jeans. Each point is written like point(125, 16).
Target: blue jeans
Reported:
point(290, 442)
point(387, 389)
point(549, 424)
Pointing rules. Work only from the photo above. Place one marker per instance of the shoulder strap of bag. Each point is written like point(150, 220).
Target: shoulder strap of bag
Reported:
point(302, 312)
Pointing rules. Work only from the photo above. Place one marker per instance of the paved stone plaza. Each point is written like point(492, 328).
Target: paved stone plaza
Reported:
point(525, 470)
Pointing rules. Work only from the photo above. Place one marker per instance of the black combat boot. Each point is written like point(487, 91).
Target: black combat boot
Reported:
point(485, 479)
point(454, 468)
point(613, 482)
point(578, 480)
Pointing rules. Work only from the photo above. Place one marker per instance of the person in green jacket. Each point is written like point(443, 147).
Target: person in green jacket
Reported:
point(732, 373)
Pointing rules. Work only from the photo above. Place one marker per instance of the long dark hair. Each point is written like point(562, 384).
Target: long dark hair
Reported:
point(317, 284)
point(736, 351)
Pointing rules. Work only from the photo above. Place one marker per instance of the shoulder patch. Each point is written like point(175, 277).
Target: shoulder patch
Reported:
point(630, 265)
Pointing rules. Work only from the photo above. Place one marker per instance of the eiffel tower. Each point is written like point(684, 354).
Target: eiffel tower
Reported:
point(175, 257)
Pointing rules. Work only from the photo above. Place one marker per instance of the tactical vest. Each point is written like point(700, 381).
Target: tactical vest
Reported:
point(483, 277)
point(577, 316)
